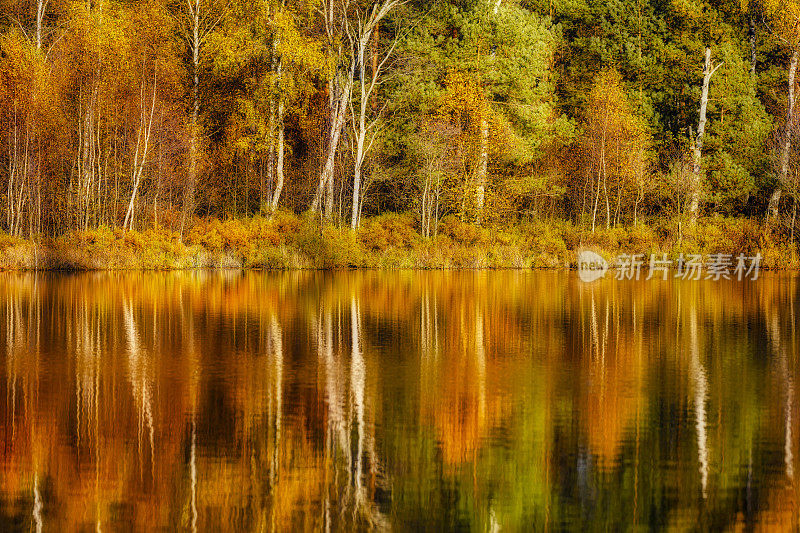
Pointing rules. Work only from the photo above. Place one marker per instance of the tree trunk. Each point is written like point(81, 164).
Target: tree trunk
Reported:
point(329, 191)
point(605, 192)
point(597, 195)
point(694, 185)
point(271, 127)
point(483, 163)
point(263, 192)
point(774, 201)
point(772, 208)
point(41, 9)
point(191, 180)
point(367, 100)
point(361, 132)
point(140, 157)
point(356, 192)
point(376, 38)
point(338, 112)
point(340, 94)
point(752, 35)
point(279, 163)
point(425, 210)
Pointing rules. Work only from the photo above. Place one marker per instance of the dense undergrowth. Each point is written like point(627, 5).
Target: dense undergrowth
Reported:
point(287, 241)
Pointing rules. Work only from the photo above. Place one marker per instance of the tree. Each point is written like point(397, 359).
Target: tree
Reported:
point(365, 96)
point(122, 95)
point(735, 159)
point(348, 30)
point(486, 70)
point(267, 61)
point(433, 147)
point(28, 112)
point(784, 19)
point(697, 152)
point(197, 20)
point(616, 144)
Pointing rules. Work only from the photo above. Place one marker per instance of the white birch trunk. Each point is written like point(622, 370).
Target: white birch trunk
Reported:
point(341, 98)
point(41, 10)
point(338, 117)
point(772, 208)
point(752, 36)
point(483, 158)
point(694, 185)
point(483, 164)
point(140, 157)
point(361, 132)
point(194, 45)
point(276, 196)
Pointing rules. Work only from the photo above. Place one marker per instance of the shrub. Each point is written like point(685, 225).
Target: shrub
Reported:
point(134, 240)
point(543, 238)
point(7, 240)
point(462, 232)
point(237, 237)
point(328, 246)
point(285, 225)
point(207, 234)
point(390, 230)
point(639, 239)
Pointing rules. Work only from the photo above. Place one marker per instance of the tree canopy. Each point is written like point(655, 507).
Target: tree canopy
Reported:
point(148, 112)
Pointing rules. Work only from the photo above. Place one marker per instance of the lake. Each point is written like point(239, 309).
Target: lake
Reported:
point(471, 401)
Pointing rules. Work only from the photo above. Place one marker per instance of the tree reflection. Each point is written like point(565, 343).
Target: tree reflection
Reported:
point(368, 400)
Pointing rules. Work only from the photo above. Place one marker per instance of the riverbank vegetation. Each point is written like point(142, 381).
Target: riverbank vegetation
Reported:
point(390, 133)
point(286, 241)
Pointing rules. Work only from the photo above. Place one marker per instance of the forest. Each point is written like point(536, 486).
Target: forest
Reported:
point(444, 133)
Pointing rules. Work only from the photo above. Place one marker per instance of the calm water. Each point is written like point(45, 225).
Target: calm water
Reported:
point(470, 401)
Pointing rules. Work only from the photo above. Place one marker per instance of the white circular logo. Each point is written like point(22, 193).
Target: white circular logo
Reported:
point(591, 266)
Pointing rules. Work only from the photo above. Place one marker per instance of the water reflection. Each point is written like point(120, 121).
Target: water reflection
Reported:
point(306, 400)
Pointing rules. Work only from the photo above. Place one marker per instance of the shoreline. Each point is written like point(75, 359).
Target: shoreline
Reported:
point(386, 242)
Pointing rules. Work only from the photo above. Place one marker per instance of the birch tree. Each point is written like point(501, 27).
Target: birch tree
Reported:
point(483, 162)
point(297, 57)
point(142, 151)
point(122, 91)
point(616, 144)
point(697, 152)
point(434, 147)
point(348, 30)
point(271, 53)
point(786, 142)
point(365, 126)
point(29, 114)
point(784, 20)
point(198, 18)
point(41, 11)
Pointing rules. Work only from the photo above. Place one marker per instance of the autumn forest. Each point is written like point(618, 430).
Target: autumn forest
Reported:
point(394, 133)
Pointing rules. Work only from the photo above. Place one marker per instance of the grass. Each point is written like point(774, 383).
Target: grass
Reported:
point(389, 241)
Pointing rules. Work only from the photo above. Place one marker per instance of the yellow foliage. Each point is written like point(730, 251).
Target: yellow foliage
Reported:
point(616, 146)
point(207, 234)
point(784, 18)
point(389, 230)
point(285, 225)
point(462, 232)
point(7, 240)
